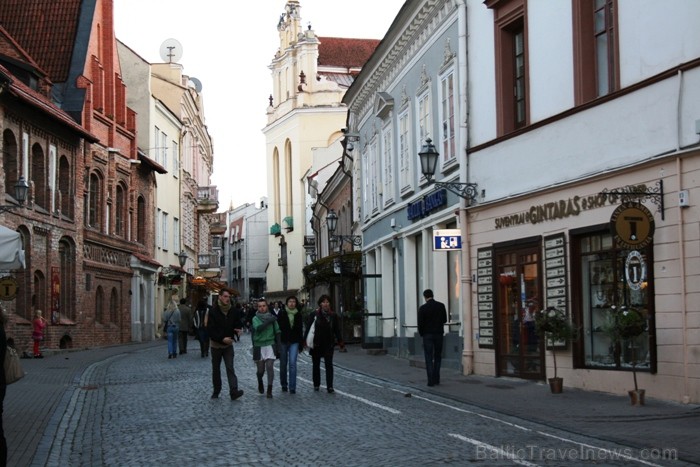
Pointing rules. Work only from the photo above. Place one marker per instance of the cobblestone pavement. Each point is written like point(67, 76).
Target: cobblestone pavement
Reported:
point(130, 405)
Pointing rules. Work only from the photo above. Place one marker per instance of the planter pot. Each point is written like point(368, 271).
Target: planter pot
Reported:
point(636, 397)
point(556, 385)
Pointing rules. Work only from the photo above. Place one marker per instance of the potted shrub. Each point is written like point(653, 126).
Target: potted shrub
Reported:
point(627, 324)
point(553, 325)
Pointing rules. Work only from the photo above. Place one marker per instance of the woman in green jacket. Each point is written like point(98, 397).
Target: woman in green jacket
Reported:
point(266, 333)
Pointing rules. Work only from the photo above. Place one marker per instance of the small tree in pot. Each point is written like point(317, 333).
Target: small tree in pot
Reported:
point(553, 325)
point(627, 324)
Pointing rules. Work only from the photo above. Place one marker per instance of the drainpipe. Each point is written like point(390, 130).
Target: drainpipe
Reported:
point(467, 318)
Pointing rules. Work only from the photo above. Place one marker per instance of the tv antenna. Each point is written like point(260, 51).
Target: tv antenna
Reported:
point(171, 51)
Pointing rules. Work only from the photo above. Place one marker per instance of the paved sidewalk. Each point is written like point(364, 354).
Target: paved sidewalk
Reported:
point(656, 425)
point(33, 405)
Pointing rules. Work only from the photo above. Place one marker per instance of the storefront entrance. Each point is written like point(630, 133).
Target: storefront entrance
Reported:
point(519, 352)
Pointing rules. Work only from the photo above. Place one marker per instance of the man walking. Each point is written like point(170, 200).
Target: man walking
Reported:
point(185, 324)
point(222, 325)
point(432, 316)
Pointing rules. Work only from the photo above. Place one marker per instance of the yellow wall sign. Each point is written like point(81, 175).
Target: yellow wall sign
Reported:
point(8, 288)
point(632, 225)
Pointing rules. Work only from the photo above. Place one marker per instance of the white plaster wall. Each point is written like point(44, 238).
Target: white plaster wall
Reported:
point(481, 70)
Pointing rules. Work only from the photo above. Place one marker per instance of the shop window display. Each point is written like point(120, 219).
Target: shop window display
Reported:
point(605, 289)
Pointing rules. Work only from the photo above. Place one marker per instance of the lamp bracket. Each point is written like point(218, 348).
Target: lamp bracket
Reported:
point(632, 193)
point(354, 240)
point(467, 191)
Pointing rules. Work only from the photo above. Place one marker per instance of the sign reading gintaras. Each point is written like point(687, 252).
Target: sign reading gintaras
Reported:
point(632, 225)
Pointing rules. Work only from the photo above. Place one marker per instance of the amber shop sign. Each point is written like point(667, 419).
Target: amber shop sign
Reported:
point(633, 226)
point(563, 208)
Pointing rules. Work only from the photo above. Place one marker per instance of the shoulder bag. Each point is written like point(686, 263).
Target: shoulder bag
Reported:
point(311, 334)
point(12, 367)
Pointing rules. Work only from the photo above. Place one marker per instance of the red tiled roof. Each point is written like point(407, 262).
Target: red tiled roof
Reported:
point(345, 53)
point(46, 29)
point(41, 102)
point(11, 49)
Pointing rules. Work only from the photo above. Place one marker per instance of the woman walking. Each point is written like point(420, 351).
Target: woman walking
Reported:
point(265, 337)
point(326, 334)
point(291, 337)
point(38, 325)
point(171, 321)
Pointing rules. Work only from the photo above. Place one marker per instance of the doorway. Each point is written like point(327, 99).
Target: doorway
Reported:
point(520, 352)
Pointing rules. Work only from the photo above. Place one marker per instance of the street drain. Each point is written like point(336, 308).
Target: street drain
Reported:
point(499, 386)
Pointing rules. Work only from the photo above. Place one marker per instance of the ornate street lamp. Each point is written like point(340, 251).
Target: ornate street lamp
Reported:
point(429, 156)
point(182, 258)
point(21, 190)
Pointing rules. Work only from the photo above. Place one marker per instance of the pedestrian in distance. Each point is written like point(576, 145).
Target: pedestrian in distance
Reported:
point(326, 335)
point(38, 325)
point(291, 341)
point(3, 386)
point(171, 321)
point(432, 317)
point(222, 325)
point(266, 334)
point(200, 318)
point(184, 326)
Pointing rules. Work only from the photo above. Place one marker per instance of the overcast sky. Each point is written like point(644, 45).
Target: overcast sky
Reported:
point(228, 46)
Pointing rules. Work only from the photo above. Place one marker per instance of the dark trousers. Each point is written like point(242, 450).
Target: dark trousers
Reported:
point(182, 341)
point(203, 341)
point(225, 354)
point(432, 347)
point(327, 356)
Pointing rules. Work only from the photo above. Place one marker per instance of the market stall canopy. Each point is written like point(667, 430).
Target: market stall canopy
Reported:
point(11, 252)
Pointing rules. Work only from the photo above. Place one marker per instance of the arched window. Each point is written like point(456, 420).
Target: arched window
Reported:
point(120, 212)
point(24, 292)
point(39, 176)
point(94, 204)
point(39, 298)
point(66, 299)
point(141, 220)
point(64, 188)
point(99, 304)
point(276, 184)
point(9, 161)
point(114, 307)
point(288, 179)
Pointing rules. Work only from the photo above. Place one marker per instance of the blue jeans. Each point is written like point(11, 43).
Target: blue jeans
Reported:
point(432, 347)
point(172, 339)
point(288, 355)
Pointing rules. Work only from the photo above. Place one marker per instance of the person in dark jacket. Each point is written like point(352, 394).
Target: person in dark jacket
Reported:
point(222, 325)
point(200, 320)
point(432, 316)
point(326, 334)
point(292, 338)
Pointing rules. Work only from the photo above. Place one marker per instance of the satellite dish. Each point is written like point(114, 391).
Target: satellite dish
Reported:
point(171, 51)
point(197, 84)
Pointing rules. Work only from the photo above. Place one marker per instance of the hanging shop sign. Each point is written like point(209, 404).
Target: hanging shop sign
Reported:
point(8, 288)
point(447, 239)
point(632, 225)
point(635, 270)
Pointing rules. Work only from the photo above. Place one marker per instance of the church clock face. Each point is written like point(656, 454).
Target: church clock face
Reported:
point(632, 225)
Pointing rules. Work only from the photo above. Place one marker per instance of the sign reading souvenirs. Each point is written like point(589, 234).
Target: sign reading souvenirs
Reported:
point(427, 204)
point(564, 208)
point(447, 239)
point(632, 225)
point(485, 297)
point(635, 270)
point(555, 276)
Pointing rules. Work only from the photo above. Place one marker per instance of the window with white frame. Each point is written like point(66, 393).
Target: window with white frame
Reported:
point(176, 235)
point(447, 117)
point(405, 165)
point(375, 182)
point(155, 155)
point(165, 231)
point(176, 159)
point(164, 148)
point(425, 123)
point(159, 222)
point(388, 166)
point(366, 186)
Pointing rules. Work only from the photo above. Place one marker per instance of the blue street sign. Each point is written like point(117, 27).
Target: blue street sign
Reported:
point(448, 239)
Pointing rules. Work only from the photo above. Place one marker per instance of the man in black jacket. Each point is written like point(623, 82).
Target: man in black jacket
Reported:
point(432, 316)
point(222, 325)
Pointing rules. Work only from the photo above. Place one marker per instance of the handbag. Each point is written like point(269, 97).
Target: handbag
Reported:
point(165, 326)
point(12, 367)
point(311, 334)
